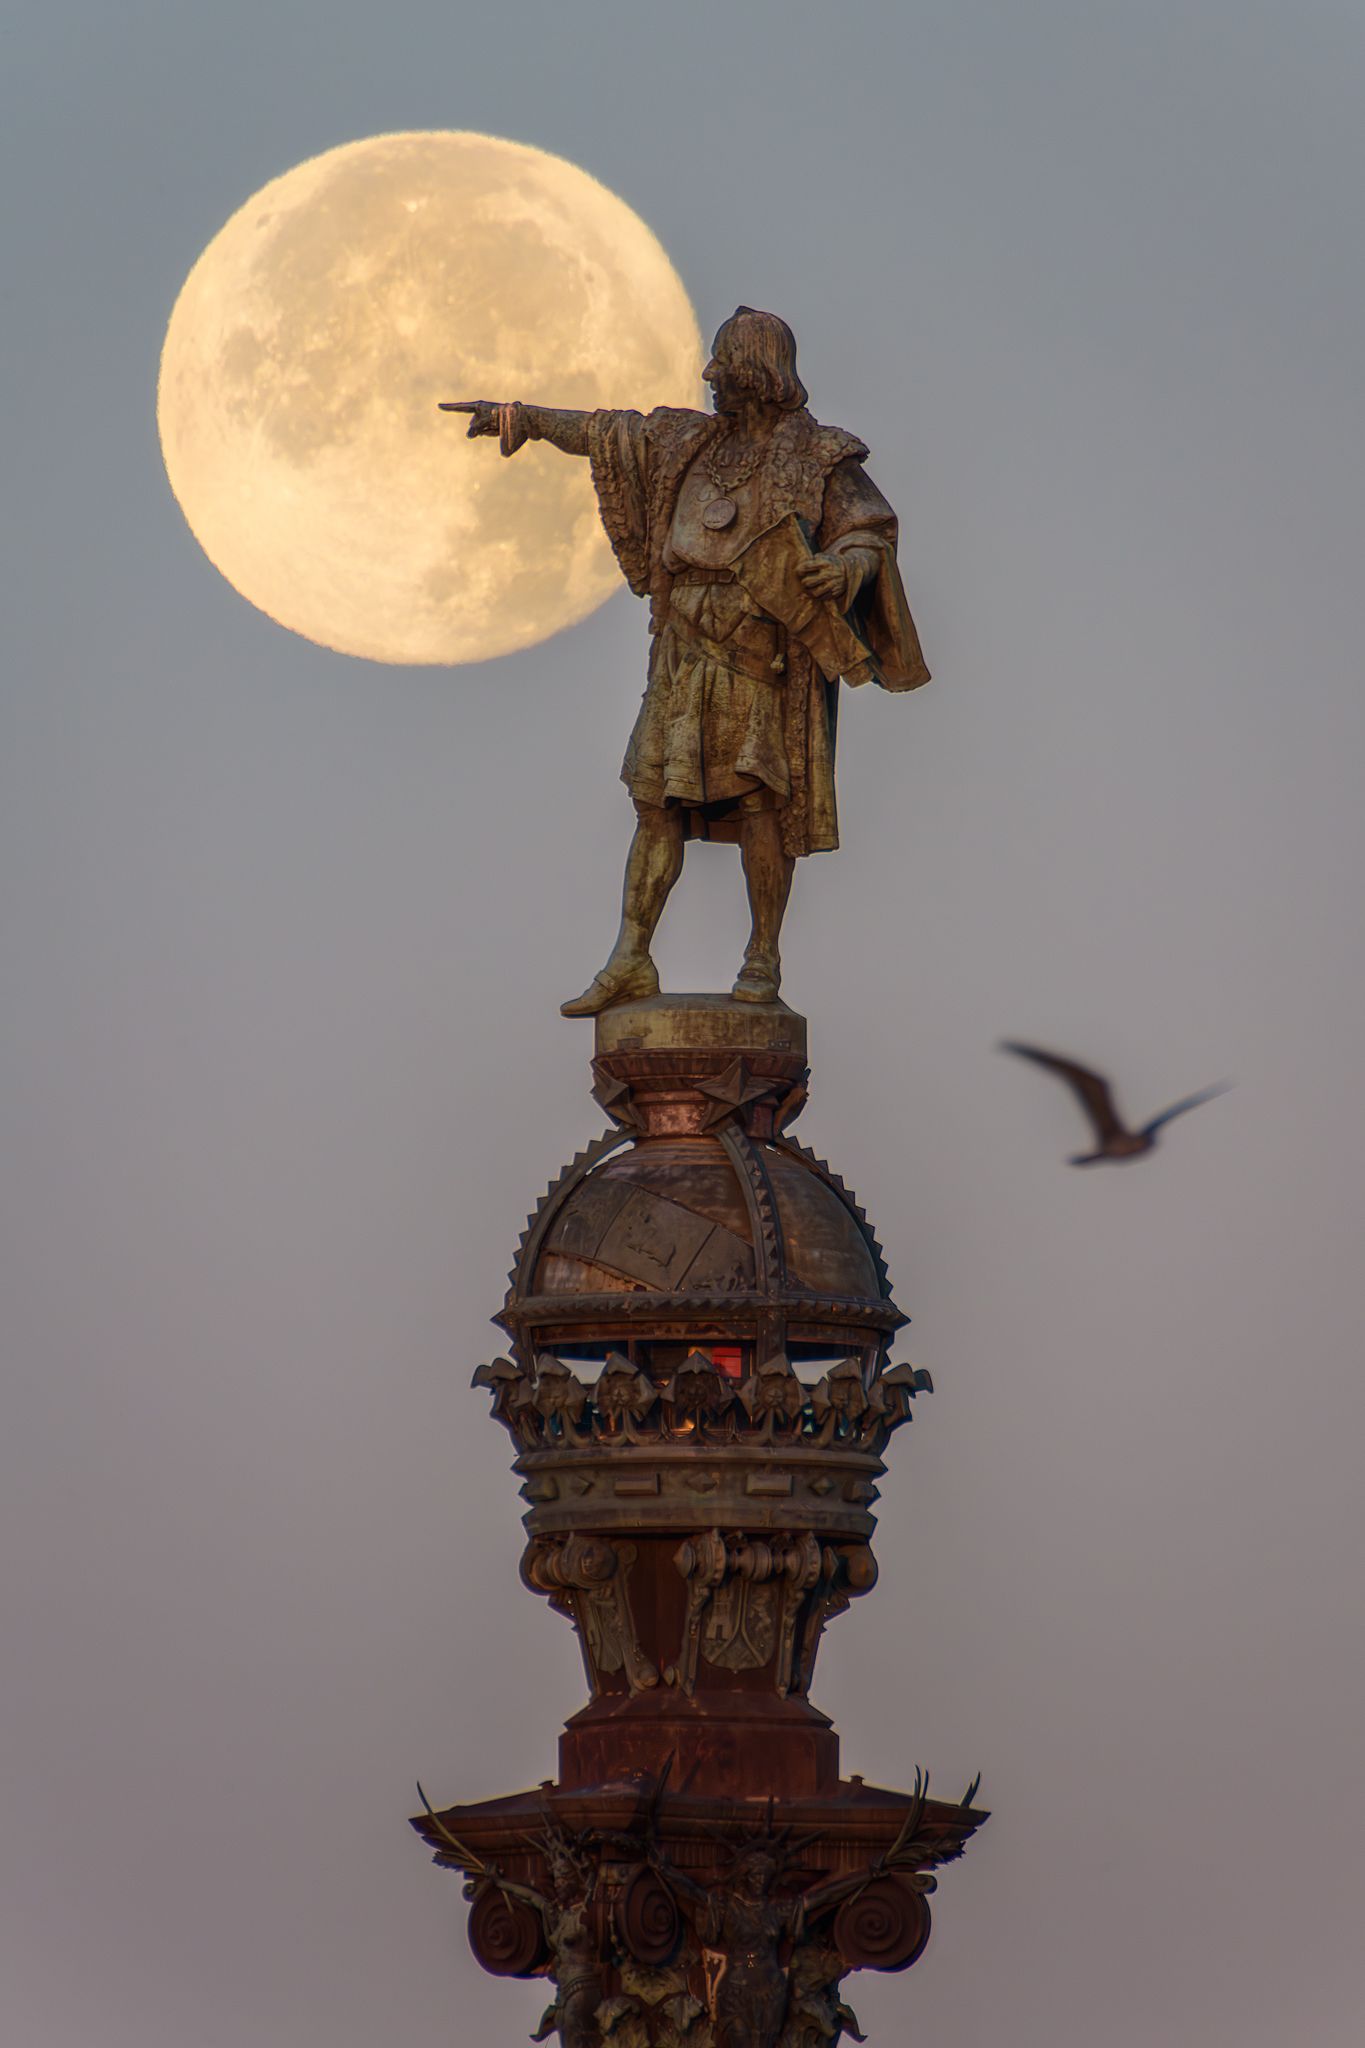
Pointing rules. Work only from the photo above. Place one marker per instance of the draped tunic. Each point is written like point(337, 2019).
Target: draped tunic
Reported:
point(733, 705)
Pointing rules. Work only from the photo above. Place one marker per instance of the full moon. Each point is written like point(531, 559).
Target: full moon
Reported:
point(308, 349)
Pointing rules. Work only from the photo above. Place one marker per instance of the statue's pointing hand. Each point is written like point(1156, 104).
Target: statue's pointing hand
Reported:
point(487, 416)
point(484, 412)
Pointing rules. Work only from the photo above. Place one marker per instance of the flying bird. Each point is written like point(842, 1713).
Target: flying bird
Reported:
point(1112, 1136)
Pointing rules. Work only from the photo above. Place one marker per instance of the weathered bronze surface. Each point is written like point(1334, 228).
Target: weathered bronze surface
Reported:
point(700, 1387)
point(700, 1395)
point(768, 556)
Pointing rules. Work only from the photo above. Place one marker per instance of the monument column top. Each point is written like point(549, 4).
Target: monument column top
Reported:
point(700, 1023)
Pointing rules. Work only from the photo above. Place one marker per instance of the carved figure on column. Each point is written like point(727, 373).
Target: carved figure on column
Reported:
point(571, 1935)
point(769, 560)
point(745, 1928)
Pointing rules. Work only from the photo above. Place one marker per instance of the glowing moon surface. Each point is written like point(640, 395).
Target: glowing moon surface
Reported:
point(308, 349)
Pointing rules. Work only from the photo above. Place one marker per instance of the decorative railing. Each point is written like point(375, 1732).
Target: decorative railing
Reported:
point(551, 1406)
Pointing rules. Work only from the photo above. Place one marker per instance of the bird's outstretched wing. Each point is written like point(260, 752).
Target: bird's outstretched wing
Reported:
point(1186, 1102)
point(1092, 1090)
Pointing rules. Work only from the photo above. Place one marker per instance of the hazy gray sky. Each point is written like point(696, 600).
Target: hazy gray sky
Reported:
point(284, 943)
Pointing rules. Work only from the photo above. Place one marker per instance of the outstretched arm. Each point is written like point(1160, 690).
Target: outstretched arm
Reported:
point(517, 423)
point(904, 1857)
point(677, 1880)
point(512, 1890)
point(823, 1896)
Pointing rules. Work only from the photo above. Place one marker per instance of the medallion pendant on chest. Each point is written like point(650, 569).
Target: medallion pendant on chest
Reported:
point(722, 511)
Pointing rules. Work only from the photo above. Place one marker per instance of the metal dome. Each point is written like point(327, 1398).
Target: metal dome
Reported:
point(698, 1218)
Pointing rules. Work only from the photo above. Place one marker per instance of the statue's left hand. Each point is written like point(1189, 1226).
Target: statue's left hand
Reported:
point(824, 576)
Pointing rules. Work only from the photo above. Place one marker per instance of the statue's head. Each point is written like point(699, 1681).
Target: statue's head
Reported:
point(756, 1873)
point(569, 1875)
point(754, 356)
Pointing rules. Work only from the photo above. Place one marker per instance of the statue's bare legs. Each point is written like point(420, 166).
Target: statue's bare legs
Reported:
point(653, 865)
point(768, 878)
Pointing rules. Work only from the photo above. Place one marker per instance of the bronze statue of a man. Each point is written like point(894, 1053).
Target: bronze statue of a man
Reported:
point(768, 556)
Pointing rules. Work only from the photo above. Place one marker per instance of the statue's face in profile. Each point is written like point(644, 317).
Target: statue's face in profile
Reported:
point(754, 356)
point(720, 373)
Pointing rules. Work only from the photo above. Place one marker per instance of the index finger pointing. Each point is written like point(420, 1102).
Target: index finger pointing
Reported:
point(457, 404)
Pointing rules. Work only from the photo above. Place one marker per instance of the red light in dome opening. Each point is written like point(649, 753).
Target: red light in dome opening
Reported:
point(728, 1359)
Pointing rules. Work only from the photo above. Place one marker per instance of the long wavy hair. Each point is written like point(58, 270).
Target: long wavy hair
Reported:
point(763, 357)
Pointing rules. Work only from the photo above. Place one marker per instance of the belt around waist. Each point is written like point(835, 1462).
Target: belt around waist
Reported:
point(741, 661)
point(701, 575)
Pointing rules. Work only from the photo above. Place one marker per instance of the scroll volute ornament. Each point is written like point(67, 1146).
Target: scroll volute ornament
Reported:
point(506, 1935)
point(648, 1922)
point(885, 1926)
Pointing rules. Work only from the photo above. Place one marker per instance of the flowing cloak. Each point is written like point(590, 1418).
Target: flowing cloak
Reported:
point(638, 464)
